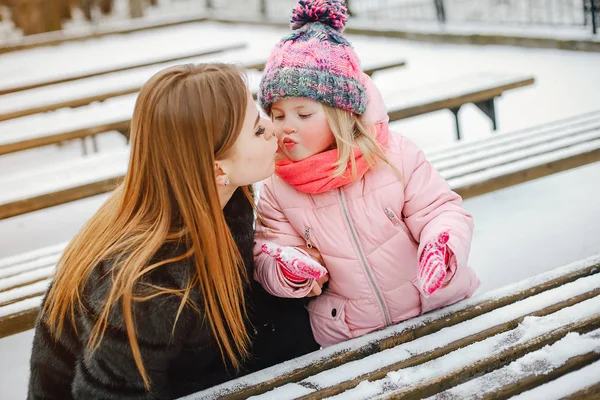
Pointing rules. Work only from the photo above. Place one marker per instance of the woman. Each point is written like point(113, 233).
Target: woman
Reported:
point(152, 299)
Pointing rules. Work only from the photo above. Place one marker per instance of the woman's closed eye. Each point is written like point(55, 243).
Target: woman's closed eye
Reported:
point(260, 130)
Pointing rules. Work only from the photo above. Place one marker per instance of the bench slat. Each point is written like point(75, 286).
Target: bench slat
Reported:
point(499, 149)
point(16, 269)
point(409, 102)
point(11, 261)
point(24, 292)
point(461, 148)
point(537, 148)
point(525, 170)
point(568, 354)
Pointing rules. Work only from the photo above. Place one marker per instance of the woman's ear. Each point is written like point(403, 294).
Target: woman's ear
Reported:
point(220, 175)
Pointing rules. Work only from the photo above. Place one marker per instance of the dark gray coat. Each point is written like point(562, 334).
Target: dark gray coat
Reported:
point(178, 364)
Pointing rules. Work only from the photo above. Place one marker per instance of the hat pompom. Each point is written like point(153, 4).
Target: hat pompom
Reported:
point(329, 12)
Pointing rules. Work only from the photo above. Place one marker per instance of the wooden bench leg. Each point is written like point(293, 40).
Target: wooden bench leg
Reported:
point(455, 112)
point(488, 107)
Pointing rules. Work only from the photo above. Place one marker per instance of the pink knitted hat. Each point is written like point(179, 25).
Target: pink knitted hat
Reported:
point(316, 61)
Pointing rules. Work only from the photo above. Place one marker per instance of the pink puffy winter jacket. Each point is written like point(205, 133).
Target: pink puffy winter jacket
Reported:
point(370, 234)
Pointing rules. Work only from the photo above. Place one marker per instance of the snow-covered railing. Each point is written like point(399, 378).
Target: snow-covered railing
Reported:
point(511, 340)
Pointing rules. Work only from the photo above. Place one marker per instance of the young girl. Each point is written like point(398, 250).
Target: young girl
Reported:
point(392, 236)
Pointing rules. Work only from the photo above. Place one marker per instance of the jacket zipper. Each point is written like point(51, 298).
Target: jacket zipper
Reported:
point(307, 238)
point(363, 259)
point(396, 221)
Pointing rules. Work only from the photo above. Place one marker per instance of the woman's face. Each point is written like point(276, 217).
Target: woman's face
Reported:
point(252, 157)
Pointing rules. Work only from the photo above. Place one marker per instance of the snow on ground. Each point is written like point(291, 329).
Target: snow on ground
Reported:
point(519, 231)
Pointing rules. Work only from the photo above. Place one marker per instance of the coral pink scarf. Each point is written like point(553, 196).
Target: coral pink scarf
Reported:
point(313, 175)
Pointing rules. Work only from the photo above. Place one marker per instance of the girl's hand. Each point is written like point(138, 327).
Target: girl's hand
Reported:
point(317, 286)
point(433, 265)
point(295, 265)
point(313, 252)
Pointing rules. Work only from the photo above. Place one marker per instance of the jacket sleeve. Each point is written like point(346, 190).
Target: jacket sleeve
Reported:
point(272, 225)
point(431, 207)
point(52, 362)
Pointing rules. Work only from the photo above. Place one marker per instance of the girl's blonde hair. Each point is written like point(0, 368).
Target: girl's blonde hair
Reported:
point(185, 118)
point(350, 132)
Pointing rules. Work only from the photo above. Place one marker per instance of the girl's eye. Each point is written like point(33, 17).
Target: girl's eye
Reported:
point(277, 117)
point(304, 115)
point(260, 130)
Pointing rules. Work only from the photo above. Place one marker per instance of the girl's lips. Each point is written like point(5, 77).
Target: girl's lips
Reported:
point(288, 143)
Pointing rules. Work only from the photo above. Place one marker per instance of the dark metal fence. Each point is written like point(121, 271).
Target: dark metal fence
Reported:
point(539, 13)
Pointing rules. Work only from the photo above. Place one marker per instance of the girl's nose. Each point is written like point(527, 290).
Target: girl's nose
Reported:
point(288, 129)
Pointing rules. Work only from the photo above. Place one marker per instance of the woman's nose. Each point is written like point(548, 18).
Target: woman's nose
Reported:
point(269, 129)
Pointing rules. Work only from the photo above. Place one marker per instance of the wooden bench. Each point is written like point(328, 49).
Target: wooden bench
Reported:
point(118, 93)
point(497, 344)
point(471, 168)
point(119, 66)
point(86, 88)
point(494, 345)
point(117, 28)
point(480, 89)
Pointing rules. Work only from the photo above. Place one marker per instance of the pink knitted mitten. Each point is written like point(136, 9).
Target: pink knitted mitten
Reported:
point(295, 265)
point(433, 265)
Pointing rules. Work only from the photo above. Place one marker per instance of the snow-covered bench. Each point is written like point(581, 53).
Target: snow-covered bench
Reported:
point(481, 89)
point(29, 98)
point(471, 168)
point(502, 343)
point(117, 92)
point(26, 83)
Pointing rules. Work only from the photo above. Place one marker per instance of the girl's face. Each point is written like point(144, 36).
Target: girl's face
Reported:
point(252, 157)
point(301, 127)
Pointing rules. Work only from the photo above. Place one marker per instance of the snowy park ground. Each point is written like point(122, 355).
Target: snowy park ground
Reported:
point(519, 231)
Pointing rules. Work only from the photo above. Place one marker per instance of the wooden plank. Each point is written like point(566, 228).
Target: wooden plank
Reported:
point(424, 357)
point(6, 148)
point(463, 147)
point(404, 332)
point(513, 144)
point(20, 322)
point(121, 68)
point(59, 197)
point(478, 358)
point(533, 371)
point(371, 69)
point(124, 27)
point(537, 170)
point(461, 97)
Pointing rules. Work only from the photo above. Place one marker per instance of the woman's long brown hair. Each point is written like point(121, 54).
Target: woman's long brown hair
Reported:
point(185, 118)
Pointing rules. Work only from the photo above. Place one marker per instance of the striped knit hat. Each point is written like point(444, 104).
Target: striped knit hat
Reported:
point(315, 61)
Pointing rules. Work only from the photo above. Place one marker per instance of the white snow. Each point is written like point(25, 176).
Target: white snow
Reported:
point(540, 362)
point(519, 231)
point(24, 291)
point(353, 369)
point(532, 327)
point(565, 385)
